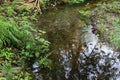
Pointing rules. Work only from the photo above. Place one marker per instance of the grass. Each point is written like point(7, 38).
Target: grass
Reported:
point(107, 18)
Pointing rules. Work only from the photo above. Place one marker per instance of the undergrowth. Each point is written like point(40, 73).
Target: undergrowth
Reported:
point(19, 43)
point(107, 20)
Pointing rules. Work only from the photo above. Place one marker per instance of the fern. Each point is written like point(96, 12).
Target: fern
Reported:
point(6, 36)
point(12, 35)
point(7, 70)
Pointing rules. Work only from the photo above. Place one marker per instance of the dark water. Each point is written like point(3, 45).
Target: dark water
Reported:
point(79, 54)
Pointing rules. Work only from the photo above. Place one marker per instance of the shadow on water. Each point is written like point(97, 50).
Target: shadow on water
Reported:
point(78, 55)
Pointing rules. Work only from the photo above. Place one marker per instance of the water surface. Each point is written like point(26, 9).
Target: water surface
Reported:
point(79, 54)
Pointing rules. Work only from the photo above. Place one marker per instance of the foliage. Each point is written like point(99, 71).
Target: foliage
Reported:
point(43, 3)
point(106, 19)
point(19, 42)
point(13, 73)
point(6, 54)
point(6, 70)
point(53, 3)
point(45, 62)
point(115, 34)
point(22, 76)
point(17, 32)
point(74, 1)
point(84, 14)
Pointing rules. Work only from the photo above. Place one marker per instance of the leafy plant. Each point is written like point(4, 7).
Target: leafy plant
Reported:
point(6, 70)
point(6, 54)
point(22, 76)
point(19, 42)
point(3, 78)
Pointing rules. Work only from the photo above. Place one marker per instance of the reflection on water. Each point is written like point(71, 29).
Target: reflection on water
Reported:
point(79, 55)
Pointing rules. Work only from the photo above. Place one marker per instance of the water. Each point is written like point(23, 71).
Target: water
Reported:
point(79, 54)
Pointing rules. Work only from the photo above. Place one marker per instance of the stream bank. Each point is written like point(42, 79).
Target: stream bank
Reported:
point(79, 53)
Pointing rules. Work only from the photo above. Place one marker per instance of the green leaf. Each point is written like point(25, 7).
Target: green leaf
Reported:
point(37, 54)
point(1, 43)
point(28, 46)
point(2, 78)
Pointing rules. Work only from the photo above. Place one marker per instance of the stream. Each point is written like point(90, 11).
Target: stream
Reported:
point(79, 54)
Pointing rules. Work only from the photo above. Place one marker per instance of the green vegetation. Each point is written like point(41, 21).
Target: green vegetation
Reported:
point(74, 1)
point(53, 3)
point(19, 43)
point(107, 19)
